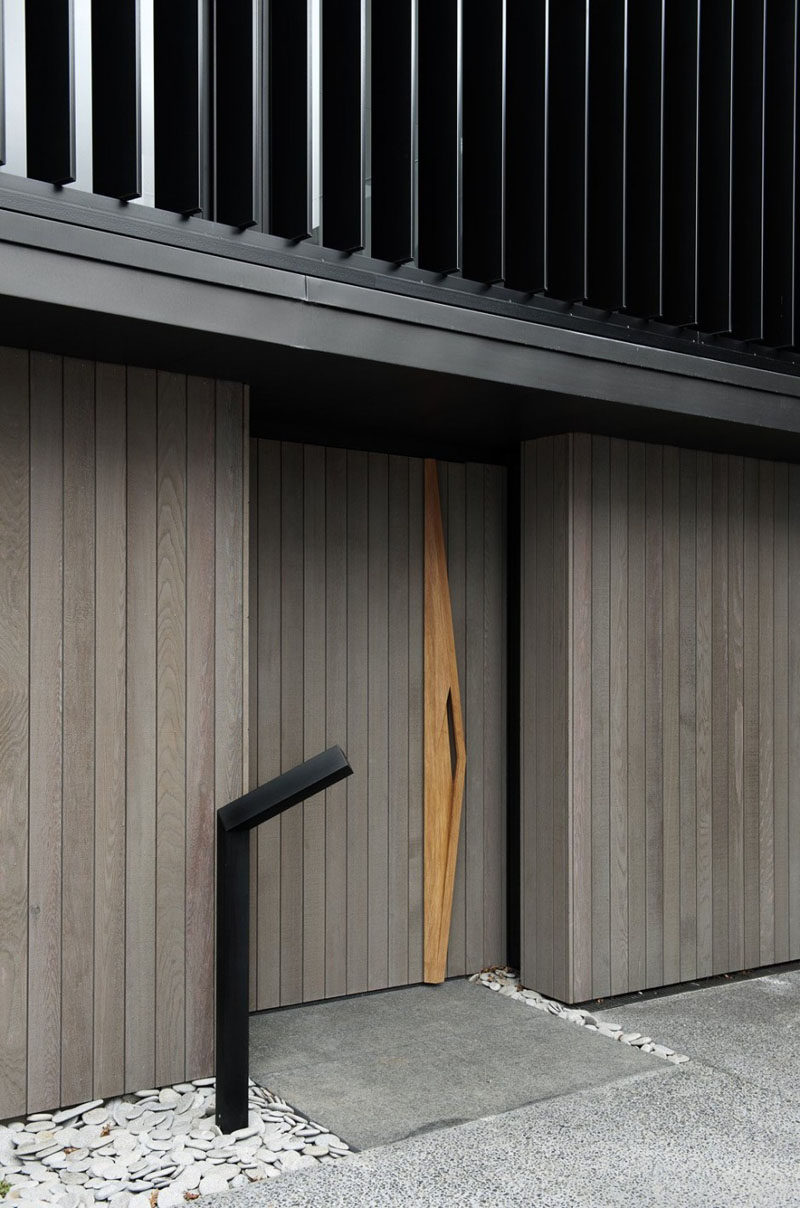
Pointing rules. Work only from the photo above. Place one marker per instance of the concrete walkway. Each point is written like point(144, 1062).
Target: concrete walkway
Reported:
point(721, 1130)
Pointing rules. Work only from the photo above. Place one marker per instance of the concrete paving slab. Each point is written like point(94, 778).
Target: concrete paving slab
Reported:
point(749, 1028)
point(381, 1067)
point(697, 1138)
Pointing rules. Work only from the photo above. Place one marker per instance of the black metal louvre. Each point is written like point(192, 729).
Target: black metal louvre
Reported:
point(630, 160)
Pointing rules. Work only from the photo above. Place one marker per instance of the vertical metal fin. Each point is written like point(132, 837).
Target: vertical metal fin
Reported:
point(287, 120)
point(178, 45)
point(643, 159)
point(445, 750)
point(391, 131)
point(566, 149)
point(49, 91)
point(342, 125)
point(780, 168)
point(747, 169)
point(116, 123)
point(437, 38)
point(234, 113)
point(605, 149)
point(679, 215)
point(714, 159)
point(526, 76)
point(482, 140)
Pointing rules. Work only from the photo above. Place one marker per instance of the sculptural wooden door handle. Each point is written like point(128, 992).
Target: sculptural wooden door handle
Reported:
point(445, 750)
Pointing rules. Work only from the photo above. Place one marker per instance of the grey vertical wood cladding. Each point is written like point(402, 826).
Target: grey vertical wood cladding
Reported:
point(679, 683)
point(121, 708)
point(338, 545)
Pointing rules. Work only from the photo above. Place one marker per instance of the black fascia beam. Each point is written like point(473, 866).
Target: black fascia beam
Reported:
point(567, 47)
point(342, 126)
point(392, 133)
point(482, 140)
point(50, 91)
point(180, 87)
point(643, 166)
point(679, 214)
point(747, 171)
point(526, 80)
point(235, 74)
point(438, 134)
point(287, 120)
point(780, 169)
point(116, 117)
point(605, 151)
point(714, 183)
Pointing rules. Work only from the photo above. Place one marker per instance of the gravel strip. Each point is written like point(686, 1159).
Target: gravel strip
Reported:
point(506, 982)
point(157, 1148)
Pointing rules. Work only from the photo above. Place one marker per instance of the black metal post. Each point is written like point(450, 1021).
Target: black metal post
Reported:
point(233, 940)
point(234, 823)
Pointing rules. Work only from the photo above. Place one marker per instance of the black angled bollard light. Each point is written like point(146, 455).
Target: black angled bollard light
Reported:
point(234, 822)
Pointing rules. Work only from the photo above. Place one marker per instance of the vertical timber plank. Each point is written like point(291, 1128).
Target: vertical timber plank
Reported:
point(687, 761)
point(601, 940)
point(543, 803)
point(313, 718)
point(140, 846)
point(618, 712)
point(377, 726)
point(794, 711)
point(581, 717)
point(200, 693)
point(562, 974)
point(456, 574)
point(268, 835)
point(252, 701)
point(292, 672)
point(357, 721)
point(415, 720)
point(637, 973)
point(719, 712)
point(766, 711)
point(171, 731)
point(398, 721)
point(654, 714)
point(110, 679)
point(77, 903)
point(736, 726)
point(494, 707)
point(14, 726)
point(704, 561)
point(671, 717)
point(781, 710)
point(474, 720)
point(336, 719)
point(46, 672)
point(528, 608)
point(751, 696)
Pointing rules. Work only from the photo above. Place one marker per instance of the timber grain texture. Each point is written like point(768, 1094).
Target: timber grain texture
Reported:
point(122, 718)
point(660, 724)
point(337, 540)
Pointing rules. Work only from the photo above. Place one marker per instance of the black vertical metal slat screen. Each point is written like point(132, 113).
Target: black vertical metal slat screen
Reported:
point(482, 140)
point(49, 92)
point(287, 120)
point(116, 134)
point(747, 170)
point(566, 133)
point(780, 168)
point(679, 132)
point(526, 78)
point(643, 159)
point(342, 128)
point(605, 150)
point(178, 44)
point(714, 157)
point(391, 134)
point(234, 114)
point(437, 146)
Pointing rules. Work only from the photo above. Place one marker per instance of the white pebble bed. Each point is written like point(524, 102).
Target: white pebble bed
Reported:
point(506, 982)
point(154, 1149)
